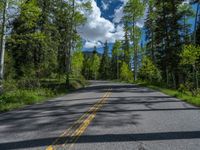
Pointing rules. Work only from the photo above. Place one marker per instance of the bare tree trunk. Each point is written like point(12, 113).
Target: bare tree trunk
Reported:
point(3, 41)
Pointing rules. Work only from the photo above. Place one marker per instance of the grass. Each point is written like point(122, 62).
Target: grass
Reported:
point(187, 96)
point(19, 98)
point(16, 98)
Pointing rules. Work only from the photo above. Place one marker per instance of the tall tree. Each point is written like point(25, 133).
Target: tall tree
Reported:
point(134, 10)
point(168, 41)
point(104, 69)
point(186, 11)
point(150, 25)
point(115, 61)
point(95, 64)
point(126, 45)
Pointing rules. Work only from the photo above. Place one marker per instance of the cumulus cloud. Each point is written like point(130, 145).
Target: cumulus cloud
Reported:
point(97, 29)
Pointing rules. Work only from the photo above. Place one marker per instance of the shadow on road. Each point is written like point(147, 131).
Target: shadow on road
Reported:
point(104, 139)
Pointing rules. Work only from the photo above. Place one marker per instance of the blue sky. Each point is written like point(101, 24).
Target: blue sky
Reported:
point(103, 24)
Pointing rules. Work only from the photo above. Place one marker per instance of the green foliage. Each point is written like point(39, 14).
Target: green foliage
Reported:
point(149, 72)
point(182, 89)
point(115, 60)
point(188, 97)
point(19, 98)
point(133, 11)
point(125, 73)
point(95, 64)
point(190, 55)
point(77, 63)
point(104, 69)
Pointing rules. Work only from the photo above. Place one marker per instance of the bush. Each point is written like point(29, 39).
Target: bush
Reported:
point(182, 89)
point(125, 73)
point(149, 72)
point(28, 83)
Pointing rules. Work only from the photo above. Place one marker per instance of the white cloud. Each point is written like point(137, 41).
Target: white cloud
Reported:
point(92, 44)
point(97, 29)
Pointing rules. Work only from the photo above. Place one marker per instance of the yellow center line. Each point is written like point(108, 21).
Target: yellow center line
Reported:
point(78, 122)
point(86, 123)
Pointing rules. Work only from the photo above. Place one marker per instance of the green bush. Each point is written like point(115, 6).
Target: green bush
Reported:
point(182, 89)
point(28, 83)
point(149, 72)
point(125, 73)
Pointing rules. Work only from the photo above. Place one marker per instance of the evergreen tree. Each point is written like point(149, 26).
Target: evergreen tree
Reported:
point(150, 26)
point(26, 41)
point(95, 64)
point(168, 41)
point(126, 45)
point(115, 61)
point(104, 70)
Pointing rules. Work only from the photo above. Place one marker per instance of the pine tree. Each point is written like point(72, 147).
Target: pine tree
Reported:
point(126, 46)
point(115, 61)
point(104, 69)
point(150, 26)
point(95, 64)
point(167, 38)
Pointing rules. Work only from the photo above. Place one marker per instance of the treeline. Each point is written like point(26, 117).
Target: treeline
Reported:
point(171, 54)
point(173, 44)
point(41, 38)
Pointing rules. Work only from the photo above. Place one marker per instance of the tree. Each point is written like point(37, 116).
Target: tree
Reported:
point(115, 61)
point(168, 40)
point(149, 72)
point(26, 41)
point(150, 26)
point(77, 63)
point(186, 11)
point(125, 73)
point(191, 56)
point(4, 7)
point(126, 45)
point(95, 64)
point(67, 29)
point(104, 70)
point(134, 10)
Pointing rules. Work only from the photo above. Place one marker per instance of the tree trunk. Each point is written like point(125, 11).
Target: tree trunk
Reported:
point(3, 40)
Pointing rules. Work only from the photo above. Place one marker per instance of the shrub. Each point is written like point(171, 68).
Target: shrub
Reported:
point(149, 72)
point(125, 73)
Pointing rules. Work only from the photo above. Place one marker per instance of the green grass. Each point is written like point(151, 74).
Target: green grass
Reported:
point(19, 98)
point(16, 98)
point(187, 96)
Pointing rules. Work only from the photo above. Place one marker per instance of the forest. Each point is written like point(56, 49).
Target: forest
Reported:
point(42, 55)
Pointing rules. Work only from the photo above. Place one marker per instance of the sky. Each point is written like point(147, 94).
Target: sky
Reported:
point(104, 24)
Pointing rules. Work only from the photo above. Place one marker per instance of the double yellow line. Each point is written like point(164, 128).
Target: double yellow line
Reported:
point(78, 128)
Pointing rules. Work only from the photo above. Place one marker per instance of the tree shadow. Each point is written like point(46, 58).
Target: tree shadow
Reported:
point(159, 136)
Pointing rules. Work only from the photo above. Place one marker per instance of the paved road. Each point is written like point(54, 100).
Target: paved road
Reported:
point(104, 116)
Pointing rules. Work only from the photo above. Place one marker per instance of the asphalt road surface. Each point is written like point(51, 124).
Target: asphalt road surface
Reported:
point(104, 116)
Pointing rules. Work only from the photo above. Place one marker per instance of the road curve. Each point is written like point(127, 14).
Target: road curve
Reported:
point(104, 116)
